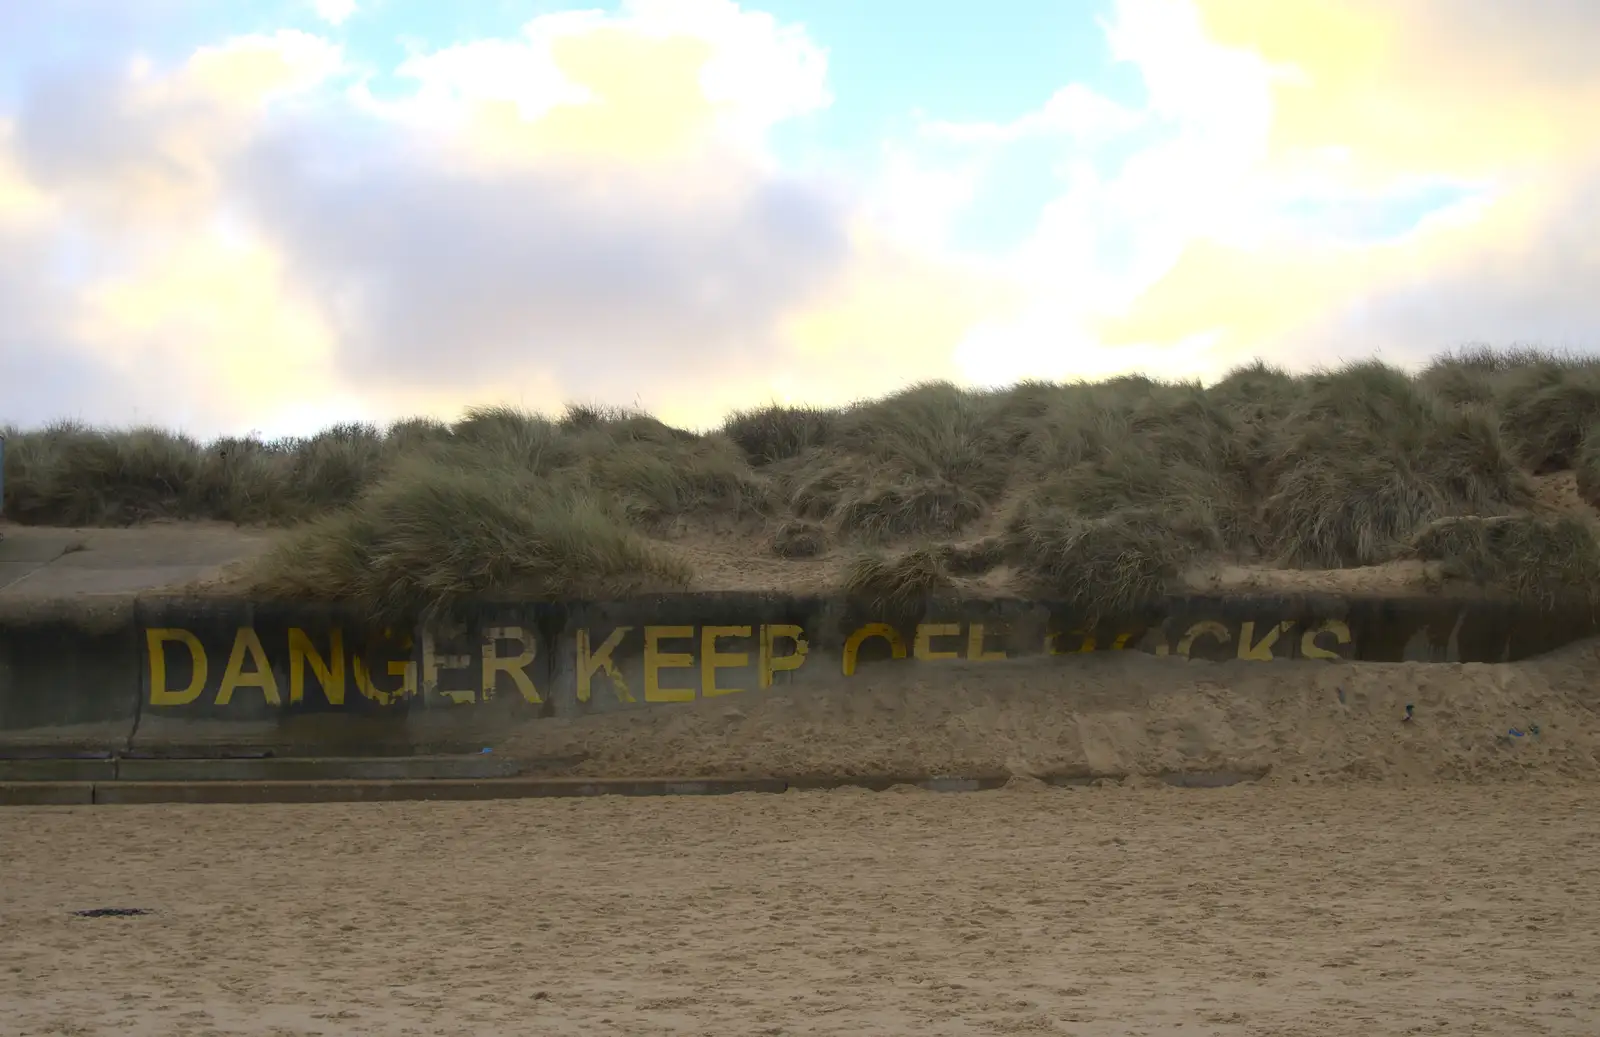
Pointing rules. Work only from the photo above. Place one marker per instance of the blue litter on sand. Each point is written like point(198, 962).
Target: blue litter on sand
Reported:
point(485, 750)
point(1515, 733)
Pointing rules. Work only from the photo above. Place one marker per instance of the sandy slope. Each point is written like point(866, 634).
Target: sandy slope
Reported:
point(40, 563)
point(1130, 713)
point(1244, 912)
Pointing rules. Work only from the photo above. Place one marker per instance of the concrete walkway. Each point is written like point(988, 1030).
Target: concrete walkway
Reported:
point(39, 563)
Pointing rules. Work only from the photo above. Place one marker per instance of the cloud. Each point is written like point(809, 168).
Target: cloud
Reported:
point(897, 316)
point(47, 371)
point(1138, 186)
point(263, 231)
point(1416, 85)
point(578, 270)
point(135, 294)
point(126, 143)
point(1521, 270)
point(662, 79)
point(1075, 110)
point(253, 249)
point(587, 200)
point(334, 12)
point(1345, 107)
point(251, 71)
point(1304, 181)
point(21, 201)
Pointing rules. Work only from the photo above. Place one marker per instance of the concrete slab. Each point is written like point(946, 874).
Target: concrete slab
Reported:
point(460, 732)
point(46, 793)
point(82, 793)
point(57, 770)
point(52, 752)
point(400, 768)
point(62, 580)
point(12, 573)
point(22, 554)
point(131, 792)
point(28, 545)
point(46, 562)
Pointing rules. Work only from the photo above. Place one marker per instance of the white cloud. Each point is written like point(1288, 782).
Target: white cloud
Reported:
point(305, 256)
point(659, 75)
point(915, 203)
point(521, 72)
point(1073, 111)
point(257, 69)
point(1197, 252)
point(760, 73)
point(124, 145)
point(1380, 101)
point(1196, 171)
point(334, 12)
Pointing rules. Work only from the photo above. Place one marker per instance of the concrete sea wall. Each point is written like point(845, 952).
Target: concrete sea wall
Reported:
point(218, 677)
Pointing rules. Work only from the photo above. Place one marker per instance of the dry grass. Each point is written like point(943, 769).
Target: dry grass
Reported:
point(903, 581)
point(1587, 467)
point(1370, 456)
point(975, 557)
point(1115, 565)
point(1096, 494)
point(427, 537)
point(1540, 560)
point(798, 538)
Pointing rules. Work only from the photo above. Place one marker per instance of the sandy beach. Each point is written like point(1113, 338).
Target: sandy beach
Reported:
point(1356, 909)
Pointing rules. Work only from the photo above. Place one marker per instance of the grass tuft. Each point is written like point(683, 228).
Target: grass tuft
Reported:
point(902, 581)
point(428, 537)
point(1538, 560)
point(798, 538)
point(976, 557)
point(776, 433)
point(1115, 565)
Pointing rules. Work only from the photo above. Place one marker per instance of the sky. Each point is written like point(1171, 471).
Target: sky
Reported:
point(234, 217)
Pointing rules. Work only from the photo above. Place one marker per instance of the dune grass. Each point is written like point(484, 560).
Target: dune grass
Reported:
point(1537, 559)
point(1095, 494)
point(427, 536)
point(799, 538)
point(904, 581)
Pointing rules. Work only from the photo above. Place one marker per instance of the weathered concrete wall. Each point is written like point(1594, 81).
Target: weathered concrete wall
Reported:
point(69, 679)
point(211, 676)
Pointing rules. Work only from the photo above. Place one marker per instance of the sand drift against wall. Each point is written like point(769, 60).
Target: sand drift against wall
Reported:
point(1125, 714)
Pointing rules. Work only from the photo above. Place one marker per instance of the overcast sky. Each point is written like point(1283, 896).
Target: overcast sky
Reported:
point(277, 214)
